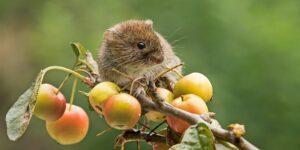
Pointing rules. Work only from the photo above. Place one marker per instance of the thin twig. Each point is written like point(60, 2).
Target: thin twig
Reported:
point(157, 126)
point(137, 135)
point(144, 126)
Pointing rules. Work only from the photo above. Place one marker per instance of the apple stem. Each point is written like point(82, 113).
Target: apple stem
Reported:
point(181, 98)
point(128, 77)
point(138, 145)
point(84, 93)
point(178, 73)
point(122, 147)
point(65, 79)
point(133, 82)
point(121, 73)
point(76, 74)
point(168, 70)
point(84, 71)
point(73, 93)
point(62, 83)
point(104, 131)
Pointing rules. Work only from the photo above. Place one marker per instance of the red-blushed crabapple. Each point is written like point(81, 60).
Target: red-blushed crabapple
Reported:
point(122, 111)
point(50, 105)
point(71, 128)
point(100, 93)
point(160, 146)
point(190, 103)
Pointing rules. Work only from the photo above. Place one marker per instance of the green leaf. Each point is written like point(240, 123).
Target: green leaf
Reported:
point(79, 50)
point(19, 115)
point(196, 137)
point(84, 57)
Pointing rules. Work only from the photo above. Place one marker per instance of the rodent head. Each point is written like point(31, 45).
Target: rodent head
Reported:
point(133, 43)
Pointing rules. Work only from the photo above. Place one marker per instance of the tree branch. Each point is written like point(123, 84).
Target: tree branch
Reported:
point(160, 106)
point(218, 132)
point(138, 135)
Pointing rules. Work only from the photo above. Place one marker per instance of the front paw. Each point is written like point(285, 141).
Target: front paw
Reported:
point(139, 91)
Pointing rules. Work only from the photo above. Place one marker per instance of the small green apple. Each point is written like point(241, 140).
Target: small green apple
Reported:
point(194, 83)
point(167, 96)
point(100, 93)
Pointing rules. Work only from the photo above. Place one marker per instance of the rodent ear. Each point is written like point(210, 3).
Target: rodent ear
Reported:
point(149, 23)
point(114, 31)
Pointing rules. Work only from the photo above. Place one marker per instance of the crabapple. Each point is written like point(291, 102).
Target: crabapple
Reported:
point(50, 105)
point(190, 103)
point(71, 128)
point(100, 93)
point(122, 111)
point(194, 83)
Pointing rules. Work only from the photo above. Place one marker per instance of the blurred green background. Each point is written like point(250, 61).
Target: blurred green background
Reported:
point(250, 50)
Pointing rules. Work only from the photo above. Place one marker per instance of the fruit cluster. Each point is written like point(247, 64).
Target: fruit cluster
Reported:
point(68, 124)
point(122, 111)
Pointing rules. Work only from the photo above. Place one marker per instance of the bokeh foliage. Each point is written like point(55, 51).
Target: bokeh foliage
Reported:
point(250, 50)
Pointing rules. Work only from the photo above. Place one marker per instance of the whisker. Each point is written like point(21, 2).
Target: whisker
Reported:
point(178, 40)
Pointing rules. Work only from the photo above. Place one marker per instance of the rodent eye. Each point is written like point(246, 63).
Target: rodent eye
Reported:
point(141, 45)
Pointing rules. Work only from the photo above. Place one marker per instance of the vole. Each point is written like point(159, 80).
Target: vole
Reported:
point(136, 49)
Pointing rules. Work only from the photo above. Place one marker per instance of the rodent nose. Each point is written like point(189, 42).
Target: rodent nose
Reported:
point(157, 58)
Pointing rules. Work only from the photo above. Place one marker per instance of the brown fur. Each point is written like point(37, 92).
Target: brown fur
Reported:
point(119, 50)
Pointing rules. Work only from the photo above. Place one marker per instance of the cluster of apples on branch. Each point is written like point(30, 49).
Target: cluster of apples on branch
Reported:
point(68, 124)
